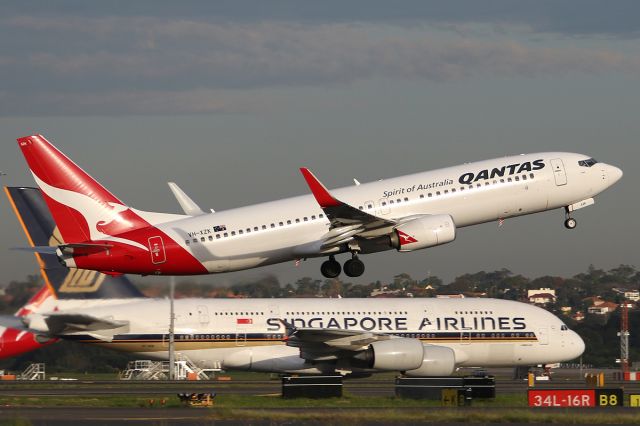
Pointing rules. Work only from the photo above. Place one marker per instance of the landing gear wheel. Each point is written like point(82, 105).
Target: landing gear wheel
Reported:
point(354, 267)
point(570, 223)
point(330, 268)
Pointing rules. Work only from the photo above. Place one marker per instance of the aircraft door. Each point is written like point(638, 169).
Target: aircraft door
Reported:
point(156, 248)
point(559, 172)
point(543, 335)
point(203, 315)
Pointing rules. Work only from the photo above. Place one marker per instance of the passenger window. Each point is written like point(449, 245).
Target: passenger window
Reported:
point(524, 177)
point(398, 200)
point(384, 203)
point(406, 199)
point(217, 236)
point(195, 240)
point(255, 229)
point(446, 191)
point(233, 233)
point(210, 238)
point(240, 232)
point(273, 225)
point(226, 235)
point(478, 185)
point(421, 195)
point(360, 207)
point(297, 220)
point(437, 192)
point(288, 222)
point(517, 178)
point(453, 190)
point(321, 216)
point(369, 206)
point(186, 242)
point(501, 180)
point(313, 217)
point(264, 226)
point(509, 180)
point(390, 201)
point(305, 219)
point(531, 175)
point(429, 195)
point(280, 223)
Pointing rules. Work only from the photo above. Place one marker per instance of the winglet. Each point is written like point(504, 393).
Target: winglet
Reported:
point(188, 205)
point(323, 197)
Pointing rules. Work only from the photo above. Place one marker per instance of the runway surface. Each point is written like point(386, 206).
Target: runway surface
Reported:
point(373, 386)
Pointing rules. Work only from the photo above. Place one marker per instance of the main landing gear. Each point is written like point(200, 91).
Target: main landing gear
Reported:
point(352, 267)
point(569, 223)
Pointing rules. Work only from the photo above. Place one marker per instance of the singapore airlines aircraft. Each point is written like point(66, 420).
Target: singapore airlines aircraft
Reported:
point(406, 213)
point(419, 337)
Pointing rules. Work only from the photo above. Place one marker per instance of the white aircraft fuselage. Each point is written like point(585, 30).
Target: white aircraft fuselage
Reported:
point(250, 334)
point(405, 213)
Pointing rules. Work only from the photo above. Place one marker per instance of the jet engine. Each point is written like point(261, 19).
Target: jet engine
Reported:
point(394, 354)
point(437, 361)
point(423, 232)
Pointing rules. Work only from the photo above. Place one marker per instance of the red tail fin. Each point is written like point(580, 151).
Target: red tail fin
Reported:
point(81, 207)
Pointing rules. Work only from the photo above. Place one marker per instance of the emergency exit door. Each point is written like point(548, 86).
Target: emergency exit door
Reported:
point(559, 173)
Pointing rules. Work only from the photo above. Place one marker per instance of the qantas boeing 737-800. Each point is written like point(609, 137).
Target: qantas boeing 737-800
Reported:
point(406, 213)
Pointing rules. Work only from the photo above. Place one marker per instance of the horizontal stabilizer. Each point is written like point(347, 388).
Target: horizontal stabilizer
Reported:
point(37, 249)
point(70, 324)
point(188, 205)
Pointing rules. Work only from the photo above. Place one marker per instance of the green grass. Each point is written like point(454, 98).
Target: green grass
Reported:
point(353, 409)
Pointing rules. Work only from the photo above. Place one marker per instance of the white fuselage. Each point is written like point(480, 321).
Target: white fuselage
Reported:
point(472, 193)
point(247, 334)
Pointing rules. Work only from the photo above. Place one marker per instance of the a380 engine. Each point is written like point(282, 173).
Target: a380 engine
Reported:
point(423, 232)
point(409, 356)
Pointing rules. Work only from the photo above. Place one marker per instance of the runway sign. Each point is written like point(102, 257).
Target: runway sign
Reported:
point(634, 400)
point(575, 397)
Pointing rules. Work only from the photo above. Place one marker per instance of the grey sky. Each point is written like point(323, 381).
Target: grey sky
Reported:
point(230, 98)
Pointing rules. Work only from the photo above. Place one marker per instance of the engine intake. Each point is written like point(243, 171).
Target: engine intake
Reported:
point(423, 232)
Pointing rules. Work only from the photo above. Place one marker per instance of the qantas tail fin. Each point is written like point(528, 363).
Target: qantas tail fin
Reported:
point(82, 208)
point(61, 282)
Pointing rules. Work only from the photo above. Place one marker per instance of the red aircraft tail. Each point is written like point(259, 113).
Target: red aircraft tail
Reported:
point(82, 208)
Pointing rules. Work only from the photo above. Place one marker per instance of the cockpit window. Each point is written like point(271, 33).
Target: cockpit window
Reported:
point(564, 327)
point(588, 162)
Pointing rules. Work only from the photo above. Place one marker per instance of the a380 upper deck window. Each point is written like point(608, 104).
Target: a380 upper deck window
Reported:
point(588, 162)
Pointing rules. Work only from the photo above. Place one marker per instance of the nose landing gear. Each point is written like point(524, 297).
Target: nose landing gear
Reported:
point(569, 223)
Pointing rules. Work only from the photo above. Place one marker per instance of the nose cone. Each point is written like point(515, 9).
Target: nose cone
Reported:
point(576, 345)
point(613, 174)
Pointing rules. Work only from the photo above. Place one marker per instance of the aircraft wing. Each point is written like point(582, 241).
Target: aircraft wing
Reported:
point(318, 344)
point(341, 214)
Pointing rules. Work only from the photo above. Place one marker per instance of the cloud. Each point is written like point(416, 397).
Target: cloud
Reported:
point(137, 65)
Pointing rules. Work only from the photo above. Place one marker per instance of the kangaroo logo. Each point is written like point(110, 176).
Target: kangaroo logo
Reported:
point(104, 219)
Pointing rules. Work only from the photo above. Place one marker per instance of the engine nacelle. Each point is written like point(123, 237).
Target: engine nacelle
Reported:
point(437, 361)
point(393, 355)
point(423, 232)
